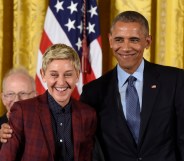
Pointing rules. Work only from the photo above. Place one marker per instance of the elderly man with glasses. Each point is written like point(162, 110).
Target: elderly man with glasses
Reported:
point(17, 85)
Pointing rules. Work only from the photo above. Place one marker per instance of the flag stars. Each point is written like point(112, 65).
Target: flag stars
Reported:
point(93, 11)
point(80, 27)
point(59, 6)
point(79, 44)
point(73, 7)
point(70, 24)
point(90, 28)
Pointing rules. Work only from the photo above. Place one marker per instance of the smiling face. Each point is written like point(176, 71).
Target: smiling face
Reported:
point(61, 78)
point(128, 41)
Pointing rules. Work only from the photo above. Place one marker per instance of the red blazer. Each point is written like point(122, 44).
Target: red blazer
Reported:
point(33, 138)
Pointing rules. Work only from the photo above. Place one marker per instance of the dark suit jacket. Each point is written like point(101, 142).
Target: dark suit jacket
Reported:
point(162, 116)
point(33, 138)
point(97, 151)
point(3, 119)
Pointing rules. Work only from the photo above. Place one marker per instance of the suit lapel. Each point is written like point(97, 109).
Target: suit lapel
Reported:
point(76, 128)
point(150, 91)
point(114, 93)
point(45, 119)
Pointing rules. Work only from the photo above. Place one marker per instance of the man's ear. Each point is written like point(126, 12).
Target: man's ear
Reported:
point(2, 98)
point(5, 103)
point(148, 40)
point(110, 39)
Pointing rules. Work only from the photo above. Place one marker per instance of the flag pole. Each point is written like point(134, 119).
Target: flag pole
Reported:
point(85, 49)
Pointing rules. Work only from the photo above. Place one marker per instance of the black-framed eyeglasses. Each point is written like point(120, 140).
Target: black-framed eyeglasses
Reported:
point(21, 95)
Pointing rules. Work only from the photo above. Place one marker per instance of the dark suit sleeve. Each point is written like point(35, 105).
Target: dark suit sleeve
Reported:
point(10, 149)
point(97, 152)
point(179, 104)
point(86, 95)
point(89, 96)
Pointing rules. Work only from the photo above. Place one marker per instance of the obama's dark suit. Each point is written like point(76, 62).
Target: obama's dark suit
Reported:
point(162, 116)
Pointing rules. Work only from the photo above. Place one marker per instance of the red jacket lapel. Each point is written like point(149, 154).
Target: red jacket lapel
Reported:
point(45, 119)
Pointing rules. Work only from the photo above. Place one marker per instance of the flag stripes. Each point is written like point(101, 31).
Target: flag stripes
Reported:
point(64, 24)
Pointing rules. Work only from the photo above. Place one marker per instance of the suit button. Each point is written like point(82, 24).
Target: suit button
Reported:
point(139, 159)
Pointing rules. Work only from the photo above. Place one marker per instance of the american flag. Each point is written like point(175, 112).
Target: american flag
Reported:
point(75, 23)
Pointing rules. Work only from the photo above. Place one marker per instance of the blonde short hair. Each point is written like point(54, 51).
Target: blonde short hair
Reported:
point(60, 51)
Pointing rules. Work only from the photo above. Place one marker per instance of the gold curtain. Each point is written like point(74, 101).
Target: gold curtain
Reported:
point(21, 25)
point(170, 33)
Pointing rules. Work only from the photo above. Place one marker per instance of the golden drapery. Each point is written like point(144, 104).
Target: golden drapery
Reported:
point(21, 25)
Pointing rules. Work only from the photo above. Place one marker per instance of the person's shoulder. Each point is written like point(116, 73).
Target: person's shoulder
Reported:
point(107, 75)
point(163, 68)
point(104, 79)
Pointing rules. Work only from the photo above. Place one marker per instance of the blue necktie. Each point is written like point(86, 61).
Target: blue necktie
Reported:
point(133, 108)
